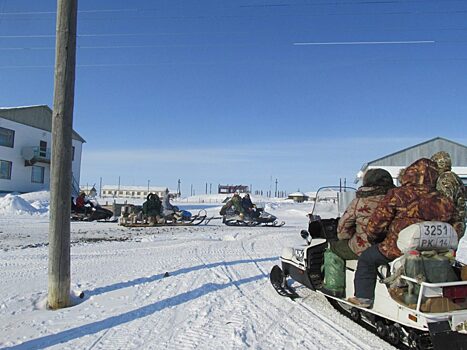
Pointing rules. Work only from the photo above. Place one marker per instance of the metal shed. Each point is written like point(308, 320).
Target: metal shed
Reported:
point(396, 161)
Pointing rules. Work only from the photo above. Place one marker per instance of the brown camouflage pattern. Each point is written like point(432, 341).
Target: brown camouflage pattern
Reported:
point(353, 222)
point(416, 200)
point(450, 185)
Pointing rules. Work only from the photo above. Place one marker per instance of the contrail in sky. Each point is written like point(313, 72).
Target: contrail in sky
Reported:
point(365, 42)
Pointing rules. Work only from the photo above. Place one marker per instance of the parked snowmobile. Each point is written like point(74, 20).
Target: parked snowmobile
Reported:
point(91, 213)
point(260, 218)
point(413, 306)
point(132, 216)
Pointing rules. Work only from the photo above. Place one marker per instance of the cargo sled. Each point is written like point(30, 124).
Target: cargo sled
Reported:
point(132, 216)
point(420, 298)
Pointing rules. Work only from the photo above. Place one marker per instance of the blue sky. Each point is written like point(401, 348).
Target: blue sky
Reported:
point(245, 91)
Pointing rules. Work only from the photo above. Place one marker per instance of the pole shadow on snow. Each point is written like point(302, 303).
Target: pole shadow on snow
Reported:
point(142, 280)
point(98, 326)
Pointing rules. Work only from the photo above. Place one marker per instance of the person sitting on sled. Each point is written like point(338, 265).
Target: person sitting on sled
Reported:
point(152, 208)
point(351, 229)
point(173, 212)
point(414, 201)
point(248, 206)
point(236, 203)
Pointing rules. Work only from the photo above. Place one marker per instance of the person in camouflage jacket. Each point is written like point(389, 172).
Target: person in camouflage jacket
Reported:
point(415, 201)
point(451, 186)
point(352, 224)
point(351, 229)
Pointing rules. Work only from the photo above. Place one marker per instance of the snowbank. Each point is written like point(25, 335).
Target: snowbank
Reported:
point(34, 203)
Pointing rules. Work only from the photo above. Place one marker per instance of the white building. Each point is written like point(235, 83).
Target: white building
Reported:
point(25, 141)
point(133, 191)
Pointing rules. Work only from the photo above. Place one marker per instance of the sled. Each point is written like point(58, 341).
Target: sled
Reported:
point(131, 219)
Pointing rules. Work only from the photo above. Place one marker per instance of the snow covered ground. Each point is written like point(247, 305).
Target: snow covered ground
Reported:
point(217, 294)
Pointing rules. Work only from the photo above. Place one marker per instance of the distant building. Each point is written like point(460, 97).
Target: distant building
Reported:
point(133, 191)
point(225, 189)
point(396, 161)
point(298, 197)
point(25, 149)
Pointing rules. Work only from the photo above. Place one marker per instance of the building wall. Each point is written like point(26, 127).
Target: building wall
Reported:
point(399, 160)
point(27, 136)
point(458, 154)
point(132, 192)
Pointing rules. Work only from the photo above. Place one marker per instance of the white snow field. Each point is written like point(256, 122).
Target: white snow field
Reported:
point(217, 294)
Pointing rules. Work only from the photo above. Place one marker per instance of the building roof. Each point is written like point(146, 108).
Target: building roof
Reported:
point(297, 194)
point(407, 156)
point(425, 149)
point(135, 188)
point(39, 117)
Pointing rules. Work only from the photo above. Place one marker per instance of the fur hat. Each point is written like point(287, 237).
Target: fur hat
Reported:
point(378, 177)
point(442, 160)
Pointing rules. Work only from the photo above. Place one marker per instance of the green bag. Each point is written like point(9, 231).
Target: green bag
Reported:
point(334, 272)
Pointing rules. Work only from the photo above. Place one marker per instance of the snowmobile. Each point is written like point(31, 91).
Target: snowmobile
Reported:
point(258, 218)
point(92, 213)
point(410, 310)
point(132, 216)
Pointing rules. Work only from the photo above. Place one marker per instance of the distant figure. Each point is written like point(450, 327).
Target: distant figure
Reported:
point(81, 202)
point(451, 186)
point(414, 201)
point(249, 207)
point(236, 203)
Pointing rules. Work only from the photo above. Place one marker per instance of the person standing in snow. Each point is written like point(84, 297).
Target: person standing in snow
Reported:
point(414, 201)
point(451, 186)
point(353, 239)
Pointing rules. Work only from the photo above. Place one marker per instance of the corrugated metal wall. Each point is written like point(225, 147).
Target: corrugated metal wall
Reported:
point(408, 156)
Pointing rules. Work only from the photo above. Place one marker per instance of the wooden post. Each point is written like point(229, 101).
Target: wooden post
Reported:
point(60, 168)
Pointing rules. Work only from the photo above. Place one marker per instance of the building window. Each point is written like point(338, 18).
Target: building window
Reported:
point(43, 149)
point(37, 174)
point(7, 137)
point(5, 169)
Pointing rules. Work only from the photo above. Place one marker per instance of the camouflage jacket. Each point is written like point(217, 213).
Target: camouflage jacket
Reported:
point(416, 200)
point(451, 186)
point(353, 222)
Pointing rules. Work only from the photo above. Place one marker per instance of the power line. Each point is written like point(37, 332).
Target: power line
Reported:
point(365, 42)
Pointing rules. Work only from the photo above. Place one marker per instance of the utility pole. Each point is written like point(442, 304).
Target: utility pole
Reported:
point(191, 190)
point(206, 188)
point(60, 169)
point(179, 192)
point(276, 190)
point(118, 188)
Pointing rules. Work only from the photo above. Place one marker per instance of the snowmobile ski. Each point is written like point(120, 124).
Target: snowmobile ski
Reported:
point(279, 282)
